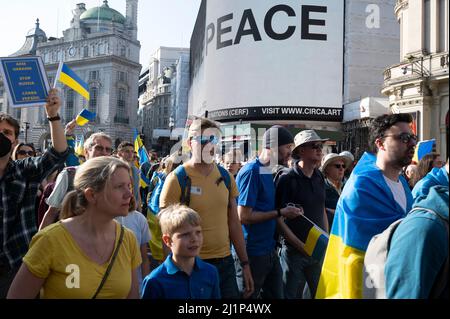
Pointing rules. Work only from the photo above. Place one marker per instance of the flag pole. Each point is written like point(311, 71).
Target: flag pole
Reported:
point(58, 73)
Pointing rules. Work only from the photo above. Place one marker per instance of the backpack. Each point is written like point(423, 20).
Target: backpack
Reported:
point(374, 285)
point(155, 192)
point(185, 182)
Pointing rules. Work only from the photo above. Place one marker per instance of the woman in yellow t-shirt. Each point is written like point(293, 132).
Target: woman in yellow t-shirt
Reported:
point(68, 260)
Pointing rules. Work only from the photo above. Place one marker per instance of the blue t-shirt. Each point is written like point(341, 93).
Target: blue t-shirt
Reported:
point(169, 282)
point(257, 190)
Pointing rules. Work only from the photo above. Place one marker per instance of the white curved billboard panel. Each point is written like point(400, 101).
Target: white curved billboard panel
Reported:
point(271, 59)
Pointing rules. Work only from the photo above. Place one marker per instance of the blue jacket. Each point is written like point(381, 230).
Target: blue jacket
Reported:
point(419, 248)
point(437, 176)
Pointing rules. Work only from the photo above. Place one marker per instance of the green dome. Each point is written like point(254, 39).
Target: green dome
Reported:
point(103, 13)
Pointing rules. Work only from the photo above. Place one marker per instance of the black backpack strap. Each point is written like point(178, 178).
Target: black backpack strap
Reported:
point(185, 185)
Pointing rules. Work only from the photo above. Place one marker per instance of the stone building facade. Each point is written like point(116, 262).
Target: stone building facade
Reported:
point(418, 84)
point(101, 47)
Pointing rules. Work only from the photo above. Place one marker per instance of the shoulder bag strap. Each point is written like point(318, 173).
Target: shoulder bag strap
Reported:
point(108, 271)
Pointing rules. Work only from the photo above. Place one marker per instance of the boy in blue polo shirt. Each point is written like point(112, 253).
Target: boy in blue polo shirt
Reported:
point(183, 275)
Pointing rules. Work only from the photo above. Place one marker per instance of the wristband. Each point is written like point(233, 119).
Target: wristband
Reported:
point(55, 118)
point(279, 212)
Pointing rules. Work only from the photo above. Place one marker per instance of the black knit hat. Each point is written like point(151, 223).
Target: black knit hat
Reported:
point(277, 136)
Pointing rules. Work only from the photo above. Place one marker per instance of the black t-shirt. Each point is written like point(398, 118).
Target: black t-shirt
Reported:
point(296, 188)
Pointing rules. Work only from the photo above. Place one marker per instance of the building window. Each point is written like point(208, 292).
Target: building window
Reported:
point(85, 52)
point(100, 49)
point(166, 110)
point(70, 104)
point(94, 75)
point(93, 101)
point(17, 114)
point(122, 76)
point(51, 79)
point(166, 122)
point(123, 51)
point(121, 112)
point(42, 116)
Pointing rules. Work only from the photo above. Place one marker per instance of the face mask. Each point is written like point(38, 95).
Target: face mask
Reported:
point(5, 145)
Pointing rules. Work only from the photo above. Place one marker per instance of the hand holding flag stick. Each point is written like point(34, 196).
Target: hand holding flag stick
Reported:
point(70, 127)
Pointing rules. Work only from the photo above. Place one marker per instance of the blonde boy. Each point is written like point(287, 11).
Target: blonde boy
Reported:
point(183, 275)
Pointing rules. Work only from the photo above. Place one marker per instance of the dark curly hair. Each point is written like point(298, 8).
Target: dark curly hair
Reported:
point(383, 123)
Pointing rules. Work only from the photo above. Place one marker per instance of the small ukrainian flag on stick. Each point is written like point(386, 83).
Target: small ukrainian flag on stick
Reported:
point(66, 76)
point(85, 117)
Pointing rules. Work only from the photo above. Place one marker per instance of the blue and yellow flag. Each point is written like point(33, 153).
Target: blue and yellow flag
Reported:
point(316, 242)
point(366, 208)
point(79, 146)
point(143, 158)
point(423, 148)
point(85, 117)
point(66, 76)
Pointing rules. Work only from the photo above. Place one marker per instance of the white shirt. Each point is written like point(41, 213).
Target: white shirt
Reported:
point(398, 191)
point(60, 190)
point(137, 223)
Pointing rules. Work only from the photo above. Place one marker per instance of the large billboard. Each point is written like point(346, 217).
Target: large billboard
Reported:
point(268, 60)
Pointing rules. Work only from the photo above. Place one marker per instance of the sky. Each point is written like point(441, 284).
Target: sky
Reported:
point(160, 22)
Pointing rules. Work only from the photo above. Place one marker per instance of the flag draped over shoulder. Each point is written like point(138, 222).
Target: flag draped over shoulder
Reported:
point(66, 76)
point(139, 148)
point(423, 148)
point(366, 208)
point(85, 117)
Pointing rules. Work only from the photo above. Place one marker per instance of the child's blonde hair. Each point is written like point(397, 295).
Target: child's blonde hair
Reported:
point(174, 217)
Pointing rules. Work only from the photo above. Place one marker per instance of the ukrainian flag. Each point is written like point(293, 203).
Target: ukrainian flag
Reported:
point(366, 208)
point(143, 157)
point(85, 117)
point(315, 239)
point(79, 146)
point(71, 79)
point(423, 148)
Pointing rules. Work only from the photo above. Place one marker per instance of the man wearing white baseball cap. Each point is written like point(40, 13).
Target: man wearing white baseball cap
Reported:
point(304, 186)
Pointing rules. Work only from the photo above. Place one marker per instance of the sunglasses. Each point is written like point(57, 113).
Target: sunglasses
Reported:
point(206, 139)
point(23, 153)
point(404, 137)
point(100, 148)
point(339, 166)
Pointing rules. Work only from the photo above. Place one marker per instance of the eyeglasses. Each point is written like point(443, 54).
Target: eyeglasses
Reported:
point(339, 166)
point(100, 148)
point(23, 153)
point(206, 139)
point(315, 146)
point(404, 137)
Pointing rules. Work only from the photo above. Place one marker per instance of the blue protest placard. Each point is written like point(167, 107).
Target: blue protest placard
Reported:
point(25, 81)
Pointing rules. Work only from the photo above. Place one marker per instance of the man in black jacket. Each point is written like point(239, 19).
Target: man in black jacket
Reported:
point(303, 186)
